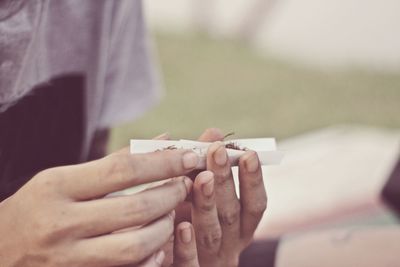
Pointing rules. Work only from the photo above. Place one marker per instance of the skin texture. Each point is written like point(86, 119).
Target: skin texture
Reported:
point(63, 219)
point(224, 224)
point(184, 249)
point(60, 218)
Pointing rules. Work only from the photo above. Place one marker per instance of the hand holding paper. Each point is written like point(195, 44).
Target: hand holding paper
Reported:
point(223, 222)
point(264, 147)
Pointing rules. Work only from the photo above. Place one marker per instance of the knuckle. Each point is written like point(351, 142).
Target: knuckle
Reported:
point(166, 161)
point(174, 167)
point(211, 239)
point(52, 230)
point(137, 208)
point(119, 167)
point(256, 182)
point(48, 178)
point(257, 209)
point(48, 182)
point(207, 206)
point(222, 175)
point(230, 216)
point(56, 229)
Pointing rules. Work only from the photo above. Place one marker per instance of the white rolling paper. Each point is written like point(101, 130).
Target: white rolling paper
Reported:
point(264, 147)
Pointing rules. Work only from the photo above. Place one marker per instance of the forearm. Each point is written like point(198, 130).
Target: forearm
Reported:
point(367, 246)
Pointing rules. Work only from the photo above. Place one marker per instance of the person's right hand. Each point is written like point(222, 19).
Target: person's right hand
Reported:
point(61, 218)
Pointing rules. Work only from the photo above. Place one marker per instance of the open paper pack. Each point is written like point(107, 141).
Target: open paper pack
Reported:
point(264, 147)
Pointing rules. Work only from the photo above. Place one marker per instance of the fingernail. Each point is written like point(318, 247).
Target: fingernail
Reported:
point(186, 234)
point(220, 156)
point(252, 162)
point(208, 184)
point(160, 257)
point(190, 160)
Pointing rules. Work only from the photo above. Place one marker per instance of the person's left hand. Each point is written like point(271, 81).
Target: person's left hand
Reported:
point(224, 224)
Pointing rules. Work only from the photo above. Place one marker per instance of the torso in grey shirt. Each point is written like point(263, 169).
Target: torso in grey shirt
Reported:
point(104, 39)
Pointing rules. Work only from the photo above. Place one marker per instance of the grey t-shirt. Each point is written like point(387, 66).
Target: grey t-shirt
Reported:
point(106, 40)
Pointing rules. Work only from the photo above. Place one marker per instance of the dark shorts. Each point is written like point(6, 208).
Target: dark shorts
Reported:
point(43, 130)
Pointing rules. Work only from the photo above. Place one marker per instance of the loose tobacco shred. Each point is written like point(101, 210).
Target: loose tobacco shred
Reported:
point(167, 148)
point(232, 145)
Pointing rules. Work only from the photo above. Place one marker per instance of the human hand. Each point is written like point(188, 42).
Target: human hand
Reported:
point(185, 250)
point(224, 224)
point(60, 218)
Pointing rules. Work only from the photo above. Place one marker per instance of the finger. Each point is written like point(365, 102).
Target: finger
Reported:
point(253, 197)
point(123, 170)
point(154, 260)
point(205, 218)
point(228, 205)
point(111, 214)
point(168, 248)
point(185, 252)
point(126, 247)
point(164, 136)
point(211, 135)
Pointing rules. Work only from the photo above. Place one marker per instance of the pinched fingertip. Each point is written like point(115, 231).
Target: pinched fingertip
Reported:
point(250, 161)
point(205, 183)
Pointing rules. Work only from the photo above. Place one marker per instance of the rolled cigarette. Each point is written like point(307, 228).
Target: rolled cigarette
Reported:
point(264, 147)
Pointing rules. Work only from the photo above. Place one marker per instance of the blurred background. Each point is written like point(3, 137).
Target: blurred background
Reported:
point(323, 77)
point(272, 67)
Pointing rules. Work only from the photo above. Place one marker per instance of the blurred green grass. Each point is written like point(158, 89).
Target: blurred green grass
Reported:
point(225, 84)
